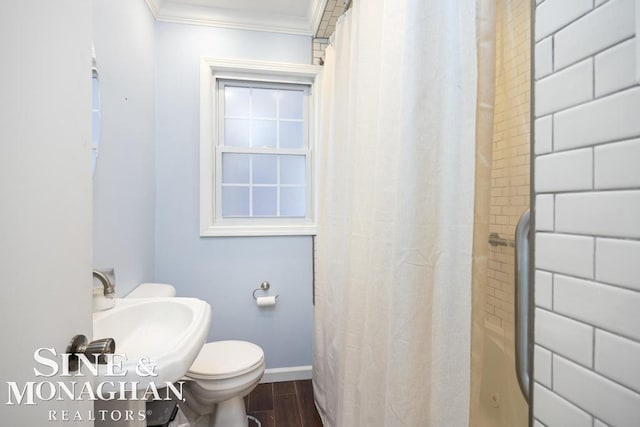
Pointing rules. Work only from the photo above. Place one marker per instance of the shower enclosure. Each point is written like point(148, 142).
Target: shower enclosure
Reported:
point(501, 403)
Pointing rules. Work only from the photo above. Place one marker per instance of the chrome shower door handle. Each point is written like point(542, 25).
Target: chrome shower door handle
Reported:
point(522, 288)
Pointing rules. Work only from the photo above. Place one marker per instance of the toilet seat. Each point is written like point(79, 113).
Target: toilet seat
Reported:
point(225, 359)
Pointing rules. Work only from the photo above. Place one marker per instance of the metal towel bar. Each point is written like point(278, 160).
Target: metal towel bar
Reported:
point(522, 303)
point(496, 240)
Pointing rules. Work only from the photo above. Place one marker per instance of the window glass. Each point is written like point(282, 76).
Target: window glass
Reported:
point(236, 101)
point(264, 103)
point(235, 168)
point(265, 202)
point(265, 169)
point(291, 134)
point(236, 132)
point(292, 170)
point(265, 133)
point(292, 201)
point(291, 104)
point(235, 201)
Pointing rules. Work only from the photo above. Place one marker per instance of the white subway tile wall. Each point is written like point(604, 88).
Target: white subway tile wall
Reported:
point(606, 307)
point(510, 172)
point(319, 46)
point(594, 32)
point(571, 86)
point(587, 184)
point(616, 165)
point(617, 358)
point(605, 399)
point(542, 365)
point(569, 170)
point(332, 11)
point(544, 289)
point(553, 410)
point(615, 68)
point(564, 336)
point(544, 212)
point(617, 263)
point(544, 135)
point(544, 58)
point(594, 213)
point(565, 253)
point(606, 119)
point(552, 15)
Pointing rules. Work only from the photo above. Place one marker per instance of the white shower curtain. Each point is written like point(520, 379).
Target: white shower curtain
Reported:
point(396, 215)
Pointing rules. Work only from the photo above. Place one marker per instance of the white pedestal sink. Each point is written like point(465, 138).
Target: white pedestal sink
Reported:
point(157, 340)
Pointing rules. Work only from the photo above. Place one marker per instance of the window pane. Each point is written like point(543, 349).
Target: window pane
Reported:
point(292, 170)
point(235, 168)
point(235, 201)
point(265, 201)
point(236, 101)
point(265, 169)
point(265, 103)
point(236, 132)
point(291, 135)
point(292, 201)
point(291, 104)
point(264, 133)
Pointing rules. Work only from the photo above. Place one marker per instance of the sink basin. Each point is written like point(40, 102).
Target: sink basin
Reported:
point(160, 338)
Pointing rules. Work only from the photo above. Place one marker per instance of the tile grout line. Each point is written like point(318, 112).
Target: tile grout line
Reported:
point(299, 404)
point(298, 401)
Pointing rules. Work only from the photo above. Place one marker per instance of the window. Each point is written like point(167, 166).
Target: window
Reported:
point(263, 149)
point(257, 149)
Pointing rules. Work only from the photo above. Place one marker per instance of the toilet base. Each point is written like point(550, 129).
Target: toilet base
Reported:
point(230, 413)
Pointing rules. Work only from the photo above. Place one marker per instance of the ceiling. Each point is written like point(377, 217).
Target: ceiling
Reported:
point(283, 16)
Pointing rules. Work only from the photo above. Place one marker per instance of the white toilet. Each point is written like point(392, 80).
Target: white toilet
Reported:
point(218, 380)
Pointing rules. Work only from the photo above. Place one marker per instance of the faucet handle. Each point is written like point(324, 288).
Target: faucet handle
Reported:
point(108, 280)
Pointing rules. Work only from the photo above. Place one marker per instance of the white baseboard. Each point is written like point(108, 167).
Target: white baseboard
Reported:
point(293, 373)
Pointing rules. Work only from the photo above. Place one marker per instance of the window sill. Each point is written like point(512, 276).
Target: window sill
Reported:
point(258, 230)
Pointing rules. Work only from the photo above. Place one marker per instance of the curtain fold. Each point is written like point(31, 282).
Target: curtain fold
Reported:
point(486, 33)
point(397, 157)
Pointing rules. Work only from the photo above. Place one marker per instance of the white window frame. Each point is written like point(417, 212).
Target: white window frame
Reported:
point(212, 71)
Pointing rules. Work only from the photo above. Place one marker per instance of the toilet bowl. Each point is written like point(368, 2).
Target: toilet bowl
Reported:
point(223, 373)
point(221, 376)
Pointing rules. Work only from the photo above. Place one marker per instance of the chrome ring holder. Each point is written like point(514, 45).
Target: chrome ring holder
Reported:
point(264, 286)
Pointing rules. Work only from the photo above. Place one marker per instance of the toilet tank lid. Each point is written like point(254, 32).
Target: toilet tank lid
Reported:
point(152, 290)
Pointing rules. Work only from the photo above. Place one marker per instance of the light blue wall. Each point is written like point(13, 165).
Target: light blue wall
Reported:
point(124, 180)
point(224, 271)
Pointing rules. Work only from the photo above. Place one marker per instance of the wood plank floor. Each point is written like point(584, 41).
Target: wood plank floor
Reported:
point(285, 404)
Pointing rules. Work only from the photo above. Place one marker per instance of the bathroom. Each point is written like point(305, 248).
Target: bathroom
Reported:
point(141, 213)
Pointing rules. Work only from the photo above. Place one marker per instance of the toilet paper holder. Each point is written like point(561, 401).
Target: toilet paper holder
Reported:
point(264, 286)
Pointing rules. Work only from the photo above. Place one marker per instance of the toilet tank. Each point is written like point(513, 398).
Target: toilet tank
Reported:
point(152, 290)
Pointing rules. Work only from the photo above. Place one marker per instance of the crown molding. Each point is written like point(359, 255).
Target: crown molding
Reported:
point(168, 11)
point(305, 71)
point(154, 6)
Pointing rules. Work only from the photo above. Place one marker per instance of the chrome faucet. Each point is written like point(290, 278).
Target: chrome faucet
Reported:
point(104, 278)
